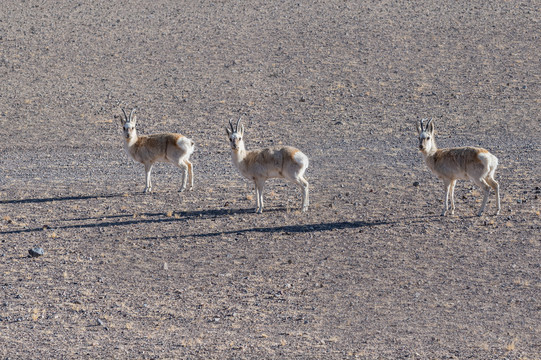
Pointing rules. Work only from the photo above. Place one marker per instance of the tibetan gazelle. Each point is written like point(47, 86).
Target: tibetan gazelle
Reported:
point(260, 165)
point(452, 164)
point(170, 148)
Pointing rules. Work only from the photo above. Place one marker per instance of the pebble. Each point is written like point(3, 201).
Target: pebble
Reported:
point(415, 183)
point(36, 251)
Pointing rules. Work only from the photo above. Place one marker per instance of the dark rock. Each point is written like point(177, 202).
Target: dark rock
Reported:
point(416, 183)
point(36, 251)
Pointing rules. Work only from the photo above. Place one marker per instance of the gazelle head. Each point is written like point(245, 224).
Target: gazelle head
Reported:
point(426, 136)
point(235, 135)
point(128, 124)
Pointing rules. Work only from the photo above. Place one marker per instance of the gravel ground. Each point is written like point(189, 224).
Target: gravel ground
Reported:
point(371, 271)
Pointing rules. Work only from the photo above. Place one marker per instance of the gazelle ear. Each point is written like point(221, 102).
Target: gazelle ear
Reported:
point(430, 126)
point(134, 119)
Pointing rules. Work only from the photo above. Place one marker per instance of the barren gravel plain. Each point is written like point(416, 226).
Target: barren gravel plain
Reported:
point(371, 271)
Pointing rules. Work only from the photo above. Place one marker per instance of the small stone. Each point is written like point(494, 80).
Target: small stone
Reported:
point(36, 251)
point(415, 183)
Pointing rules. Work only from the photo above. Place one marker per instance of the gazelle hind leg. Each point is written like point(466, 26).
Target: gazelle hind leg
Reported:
point(190, 174)
point(256, 198)
point(299, 179)
point(184, 167)
point(486, 188)
point(494, 185)
point(303, 184)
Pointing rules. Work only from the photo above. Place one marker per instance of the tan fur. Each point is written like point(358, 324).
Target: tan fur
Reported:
point(168, 147)
point(154, 147)
point(259, 165)
point(464, 163)
point(456, 163)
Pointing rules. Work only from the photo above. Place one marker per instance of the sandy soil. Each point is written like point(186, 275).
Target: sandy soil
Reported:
point(370, 271)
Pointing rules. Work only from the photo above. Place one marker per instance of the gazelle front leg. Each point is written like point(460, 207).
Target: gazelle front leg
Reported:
point(447, 185)
point(259, 186)
point(452, 186)
point(148, 171)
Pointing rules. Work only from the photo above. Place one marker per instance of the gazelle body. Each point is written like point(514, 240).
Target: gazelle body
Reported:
point(259, 165)
point(461, 163)
point(148, 150)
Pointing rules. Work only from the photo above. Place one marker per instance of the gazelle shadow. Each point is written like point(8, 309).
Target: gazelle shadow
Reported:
point(134, 219)
point(59, 198)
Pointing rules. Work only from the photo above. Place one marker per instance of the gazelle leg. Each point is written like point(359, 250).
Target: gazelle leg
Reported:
point(452, 186)
point(256, 197)
point(493, 184)
point(260, 186)
point(486, 188)
point(190, 174)
point(303, 184)
point(148, 171)
point(447, 184)
point(184, 169)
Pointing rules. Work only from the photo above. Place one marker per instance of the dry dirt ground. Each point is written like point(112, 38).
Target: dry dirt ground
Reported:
point(371, 271)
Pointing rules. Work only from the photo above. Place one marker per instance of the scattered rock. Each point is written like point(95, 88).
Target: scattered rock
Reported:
point(36, 251)
point(415, 183)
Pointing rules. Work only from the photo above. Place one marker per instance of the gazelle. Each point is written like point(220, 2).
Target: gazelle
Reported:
point(170, 148)
point(452, 164)
point(259, 165)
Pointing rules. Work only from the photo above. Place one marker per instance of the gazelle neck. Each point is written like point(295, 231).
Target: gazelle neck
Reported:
point(132, 139)
point(432, 150)
point(238, 154)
